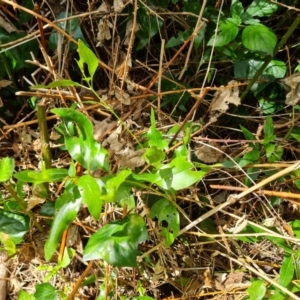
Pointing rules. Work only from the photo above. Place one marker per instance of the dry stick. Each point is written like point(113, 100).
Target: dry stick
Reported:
point(36, 9)
point(260, 274)
point(199, 24)
point(161, 59)
point(230, 200)
point(263, 192)
point(169, 63)
point(188, 116)
point(79, 281)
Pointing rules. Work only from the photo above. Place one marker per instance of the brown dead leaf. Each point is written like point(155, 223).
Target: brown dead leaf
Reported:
point(293, 84)
point(222, 100)
point(208, 154)
point(34, 201)
point(4, 83)
point(131, 159)
point(233, 281)
point(118, 5)
point(103, 31)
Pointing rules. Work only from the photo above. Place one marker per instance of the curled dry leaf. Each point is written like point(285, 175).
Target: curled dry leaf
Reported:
point(222, 100)
point(103, 31)
point(293, 85)
point(208, 153)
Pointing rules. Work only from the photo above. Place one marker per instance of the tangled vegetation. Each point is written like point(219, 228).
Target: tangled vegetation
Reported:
point(149, 149)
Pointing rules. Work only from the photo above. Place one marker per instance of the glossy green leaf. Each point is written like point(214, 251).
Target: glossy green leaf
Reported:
point(154, 156)
point(25, 296)
point(165, 211)
point(91, 195)
point(286, 272)
point(62, 219)
point(259, 38)
point(178, 175)
point(83, 148)
point(155, 137)
point(227, 32)
point(15, 225)
point(7, 166)
point(261, 8)
point(48, 175)
point(113, 184)
point(87, 57)
point(257, 290)
point(117, 242)
point(247, 68)
point(45, 291)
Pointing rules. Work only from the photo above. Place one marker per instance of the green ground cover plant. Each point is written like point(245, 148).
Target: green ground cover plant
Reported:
point(164, 159)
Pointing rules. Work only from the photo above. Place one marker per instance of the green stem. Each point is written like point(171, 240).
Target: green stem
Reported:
point(269, 58)
point(23, 206)
point(41, 114)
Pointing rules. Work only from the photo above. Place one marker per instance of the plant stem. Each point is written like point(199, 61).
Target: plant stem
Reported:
point(41, 113)
point(270, 57)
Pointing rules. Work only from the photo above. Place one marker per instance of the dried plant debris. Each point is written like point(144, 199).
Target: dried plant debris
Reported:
point(223, 98)
point(292, 84)
point(208, 153)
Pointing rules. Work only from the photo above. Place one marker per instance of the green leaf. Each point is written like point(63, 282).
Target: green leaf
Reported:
point(15, 225)
point(236, 9)
point(178, 174)
point(259, 38)
point(286, 272)
point(62, 219)
point(247, 68)
point(261, 8)
point(269, 130)
point(91, 195)
point(24, 16)
point(113, 184)
point(84, 149)
point(57, 83)
point(149, 26)
point(155, 137)
point(180, 39)
point(45, 291)
point(88, 57)
point(25, 296)
point(257, 290)
point(154, 156)
point(228, 30)
point(249, 158)
point(167, 212)
point(7, 166)
point(18, 55)
point(8, 243)
point(117, 242)
point(47, 175)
